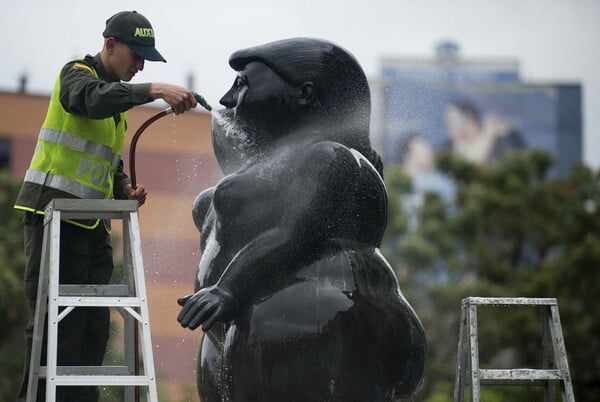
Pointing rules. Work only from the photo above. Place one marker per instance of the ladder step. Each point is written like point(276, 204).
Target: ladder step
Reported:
point(508, 376)
point(87, 371)
point(127, 380)
point(510, 301)
point(98, 301)
point(93, 209)
point(94, 290)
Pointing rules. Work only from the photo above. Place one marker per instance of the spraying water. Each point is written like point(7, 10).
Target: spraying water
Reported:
point(234, 134)
point(230, 128)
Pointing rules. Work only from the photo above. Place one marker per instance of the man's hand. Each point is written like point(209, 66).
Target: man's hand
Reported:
point(139, 193)
point(179, 98)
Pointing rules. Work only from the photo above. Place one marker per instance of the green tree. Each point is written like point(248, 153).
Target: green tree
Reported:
point(514, 230)
point(13, 304)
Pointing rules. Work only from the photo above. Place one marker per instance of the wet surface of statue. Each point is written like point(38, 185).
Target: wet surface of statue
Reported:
point(295, 299)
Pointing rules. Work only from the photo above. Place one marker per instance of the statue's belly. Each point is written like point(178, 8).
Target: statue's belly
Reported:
point(319, 338)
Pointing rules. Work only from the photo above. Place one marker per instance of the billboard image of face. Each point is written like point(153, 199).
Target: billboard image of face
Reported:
point(480, 114)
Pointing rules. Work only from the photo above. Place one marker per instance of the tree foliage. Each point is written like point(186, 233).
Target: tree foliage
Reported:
point(514, 230)
point(13, 304)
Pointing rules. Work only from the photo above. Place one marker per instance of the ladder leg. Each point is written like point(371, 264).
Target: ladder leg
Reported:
point(130, 356)
point(474, 350)
point(131, 394)
point(461, 359)
point(39, 320)
point(560, 354)
point(53, 283)
point(144, 324)
point(547, 355)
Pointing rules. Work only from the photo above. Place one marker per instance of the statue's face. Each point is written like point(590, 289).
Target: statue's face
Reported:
point(259, 109)
point(263, 104)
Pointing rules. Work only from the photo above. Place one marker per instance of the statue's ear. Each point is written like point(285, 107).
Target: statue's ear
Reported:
point(308, 93)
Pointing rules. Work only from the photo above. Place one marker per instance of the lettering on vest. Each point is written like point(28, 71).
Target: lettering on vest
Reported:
point(98, 174)
point(144, 32)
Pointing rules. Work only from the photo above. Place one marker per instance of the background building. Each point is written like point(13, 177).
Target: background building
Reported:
point(416, 94)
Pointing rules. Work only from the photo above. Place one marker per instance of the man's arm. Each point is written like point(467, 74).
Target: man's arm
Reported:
point(83, 94)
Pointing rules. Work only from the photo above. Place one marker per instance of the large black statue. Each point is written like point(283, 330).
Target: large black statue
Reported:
point(295, 299)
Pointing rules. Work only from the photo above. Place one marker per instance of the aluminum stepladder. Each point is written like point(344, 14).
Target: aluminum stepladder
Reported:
point(59, 300)
point(554, 369)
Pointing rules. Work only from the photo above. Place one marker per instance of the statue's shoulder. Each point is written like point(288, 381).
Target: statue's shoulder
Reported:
point(328, 150)
point(326, 158)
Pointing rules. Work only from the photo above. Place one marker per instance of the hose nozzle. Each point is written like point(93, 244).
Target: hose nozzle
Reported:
point(202, 101)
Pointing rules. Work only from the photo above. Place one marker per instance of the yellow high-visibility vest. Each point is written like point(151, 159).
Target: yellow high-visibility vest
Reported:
point(76, 154)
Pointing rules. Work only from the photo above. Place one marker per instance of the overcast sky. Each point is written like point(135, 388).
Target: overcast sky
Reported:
point(553, 40)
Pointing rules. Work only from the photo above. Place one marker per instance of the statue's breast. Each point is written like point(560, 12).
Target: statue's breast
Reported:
point(247, 200)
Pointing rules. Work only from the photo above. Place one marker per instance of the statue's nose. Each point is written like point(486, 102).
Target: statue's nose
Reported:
point(229, 100)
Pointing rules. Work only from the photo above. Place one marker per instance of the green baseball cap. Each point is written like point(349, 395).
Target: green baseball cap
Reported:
point(134, 30)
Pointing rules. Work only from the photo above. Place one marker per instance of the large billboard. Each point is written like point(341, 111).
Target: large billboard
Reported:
point(479, 110)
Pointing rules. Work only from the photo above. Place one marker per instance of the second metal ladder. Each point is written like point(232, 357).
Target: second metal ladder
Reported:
point(555, 367)
point(58, 300)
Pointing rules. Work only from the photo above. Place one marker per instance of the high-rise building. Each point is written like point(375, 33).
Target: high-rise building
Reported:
point(435, 99)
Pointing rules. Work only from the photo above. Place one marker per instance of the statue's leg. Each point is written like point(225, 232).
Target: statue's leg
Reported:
point(210, 380)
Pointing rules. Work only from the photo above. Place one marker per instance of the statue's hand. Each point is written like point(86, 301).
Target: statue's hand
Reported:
point(205, 307)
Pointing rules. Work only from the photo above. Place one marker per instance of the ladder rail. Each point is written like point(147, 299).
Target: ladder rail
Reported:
point(474, 351)
point(143, 324)
point(462, 361)
point(53, 282)
point(130, 326)
point(40, 314)
point(547, 354)
point(560, 354)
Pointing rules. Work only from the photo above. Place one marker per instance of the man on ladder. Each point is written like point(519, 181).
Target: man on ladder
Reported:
point(78, 155)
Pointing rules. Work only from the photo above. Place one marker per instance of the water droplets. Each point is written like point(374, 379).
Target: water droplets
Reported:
point(231, 129)
point(174, 132)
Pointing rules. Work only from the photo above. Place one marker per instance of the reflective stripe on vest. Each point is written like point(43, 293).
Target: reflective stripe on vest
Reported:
point(80, 144)
point(62, 183)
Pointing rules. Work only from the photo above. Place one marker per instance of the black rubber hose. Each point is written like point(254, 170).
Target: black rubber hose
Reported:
point(140, 130)
point(132, 175)
point(134, 141)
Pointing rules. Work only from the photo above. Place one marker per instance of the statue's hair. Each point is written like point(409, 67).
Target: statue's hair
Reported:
point(341, 85)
